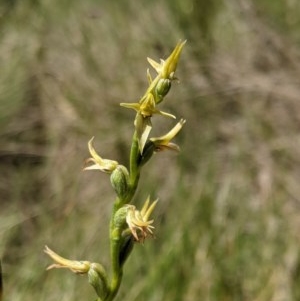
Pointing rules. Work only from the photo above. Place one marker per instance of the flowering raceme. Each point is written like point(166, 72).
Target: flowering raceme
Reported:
point(158, 89)
point(128, 225)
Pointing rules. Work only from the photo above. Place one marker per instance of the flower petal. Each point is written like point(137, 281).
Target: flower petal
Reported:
point(170, 146)
point(170, 65)
point(135, 106)
point(104, 165)
point(155, 65)
point(165, 139)
point(149, 210)
point(79, 267)
point(143, 127)
point(165, 114)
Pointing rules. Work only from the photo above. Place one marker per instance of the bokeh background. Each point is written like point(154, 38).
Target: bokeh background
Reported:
point(227, 224)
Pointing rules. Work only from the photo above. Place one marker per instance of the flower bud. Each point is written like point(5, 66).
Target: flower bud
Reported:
point(162, 88)
point(120, 218)
point(97, 278)
point(119, 180)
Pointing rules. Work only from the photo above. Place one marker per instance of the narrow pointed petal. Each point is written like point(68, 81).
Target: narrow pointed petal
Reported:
point(147, 214)
point(149, 77)
point(91, 167)
point(170, 146)
point(155, 65)
point(146, 205)
point(134, 106)
point(104, 165)
point(165, 139)
point(61, 262)
point(170, 65)
point(165, 114)
point(143, 128)
point(93, 153)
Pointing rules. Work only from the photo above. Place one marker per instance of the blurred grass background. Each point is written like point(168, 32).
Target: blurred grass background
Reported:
point(227, 223)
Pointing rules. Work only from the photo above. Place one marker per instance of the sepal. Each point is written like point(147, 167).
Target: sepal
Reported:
point(162, 88)
point(98, 280)
point(120, 180)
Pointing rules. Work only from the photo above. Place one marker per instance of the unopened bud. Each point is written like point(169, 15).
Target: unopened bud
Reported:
point(162, 88)
point(119, 180)
point(98, 279)
point(120, 218)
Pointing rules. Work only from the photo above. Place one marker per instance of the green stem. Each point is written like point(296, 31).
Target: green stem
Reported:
point(134, 173)
point(115, 235)
point(115, 285)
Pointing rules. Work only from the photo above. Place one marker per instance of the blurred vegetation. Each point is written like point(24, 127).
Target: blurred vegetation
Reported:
point(228, 217)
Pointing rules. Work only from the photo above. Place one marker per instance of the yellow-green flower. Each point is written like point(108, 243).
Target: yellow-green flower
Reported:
point(78, 267)
point(157, 90)
point(161, 85)
point(145, 109)
point(164, 142)
point(104, 165)
point(138, 221)
point(168, 67)
point(95, 271)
